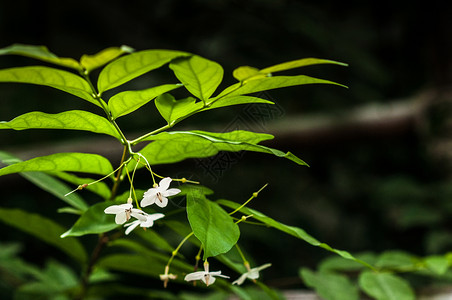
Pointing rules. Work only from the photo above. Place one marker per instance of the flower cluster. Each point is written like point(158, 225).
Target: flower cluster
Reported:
point(157, 194)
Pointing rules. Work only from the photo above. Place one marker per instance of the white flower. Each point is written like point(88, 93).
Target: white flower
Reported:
point(124, 211)
point(158, 194)
point(251, 274)
point(146, 223)
point(207, 277)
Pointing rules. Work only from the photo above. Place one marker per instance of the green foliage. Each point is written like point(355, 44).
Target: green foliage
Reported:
point(384, 286)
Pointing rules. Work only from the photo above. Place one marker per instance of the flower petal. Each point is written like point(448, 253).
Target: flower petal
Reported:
point(163, 203)
point(164, 183)
point(241, 279)
point(131, 226)
point(139, 214)
point(171, 192)
point(114, 209)
point(194, 276)
point(121, 218)
point(148, 200)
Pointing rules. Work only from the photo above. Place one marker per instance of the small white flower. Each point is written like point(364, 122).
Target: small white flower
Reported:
point(158, 194)
point(251, 274)
point(207, 277)
point(124, 211)
point(146, 223)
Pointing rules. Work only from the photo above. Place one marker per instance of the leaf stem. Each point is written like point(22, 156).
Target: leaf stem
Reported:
point(143, 137)
point(255, 194)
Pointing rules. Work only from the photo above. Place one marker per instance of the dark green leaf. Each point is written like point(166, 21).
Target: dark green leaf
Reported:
point(170, 147)
point(75, 162)
point(91, 62)
point(133, 65)
point(41, 53)
point(59, 79)
point(384, 286)
point(99, 188)
point(74, 120)
point(211, 225)
point(294, 231)
point(44, 229)
point(126, 102)
point(200, 76)
point(330, 286)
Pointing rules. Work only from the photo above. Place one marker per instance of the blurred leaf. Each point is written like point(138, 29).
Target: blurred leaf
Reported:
point(91, 62)
point(294, 231)
point(93, 221)
point(384, 286)
point(437, 264)
point(75, 162)
point(133, 65)
point(330, 286)
point(170, 147)
point(100, 188)
point(126, 102)
point(211, 225)
point(199, 75)
point(396, 259)
point(269, 83)
point(47, 183)
point(74, 120)
point(43, 229)
point(41, 53)
point(153, 238)
point(59, 79)
point(337, 263)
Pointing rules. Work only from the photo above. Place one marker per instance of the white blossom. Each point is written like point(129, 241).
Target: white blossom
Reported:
point(146, 223)
point(207, 277)
point(159, 194)
point(251, 274)
point(124, 211)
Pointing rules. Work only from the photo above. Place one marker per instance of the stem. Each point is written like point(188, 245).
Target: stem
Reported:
point(141, 138)
point(255, 194)
point(174, 253)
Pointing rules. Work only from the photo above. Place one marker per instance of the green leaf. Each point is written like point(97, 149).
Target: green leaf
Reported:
point(330, 286)
point(100, 188)
point(59, 79)
point(384, 286)
point(153, 238)
point(245, 72)
point(75, 162)
point(270, 83)
point(41, 53)
point(211, 225)
point(43, 229)
point(200, 76)
point(337, 263)
point(294, 231)
point(170, 147)
point(126, 102)
point(396, 259)
point(235, 100)
point(437, 264)
point(48, 183)
point(73, 119)
point(297, 64)
point(91, 62)
point(93, 221)
point(172, 109)
point(133, 65)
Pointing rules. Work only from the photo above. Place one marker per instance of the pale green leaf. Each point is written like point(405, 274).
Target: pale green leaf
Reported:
point(170, 147)
point(437, 264)
point(93, 221)
point(245, 72)
point(41, 53)
point(297, 64)
point(133, 65)
point(385, 286)
point(294, 231)
point(48, 183)
point(43, 229)
point(330, 286)
point(172, 109)
point(75, 162)
point(396, 259)
point(200, 76)
point(211, 225)
point(91, 62)
point(73, 119)
point(126, 102)
point(337, 263)
point(59, 79)
point(269, 83)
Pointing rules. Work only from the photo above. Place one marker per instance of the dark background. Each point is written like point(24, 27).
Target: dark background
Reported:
point(379, 151)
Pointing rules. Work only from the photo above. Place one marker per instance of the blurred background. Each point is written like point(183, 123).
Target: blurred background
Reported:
point(380, 152)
